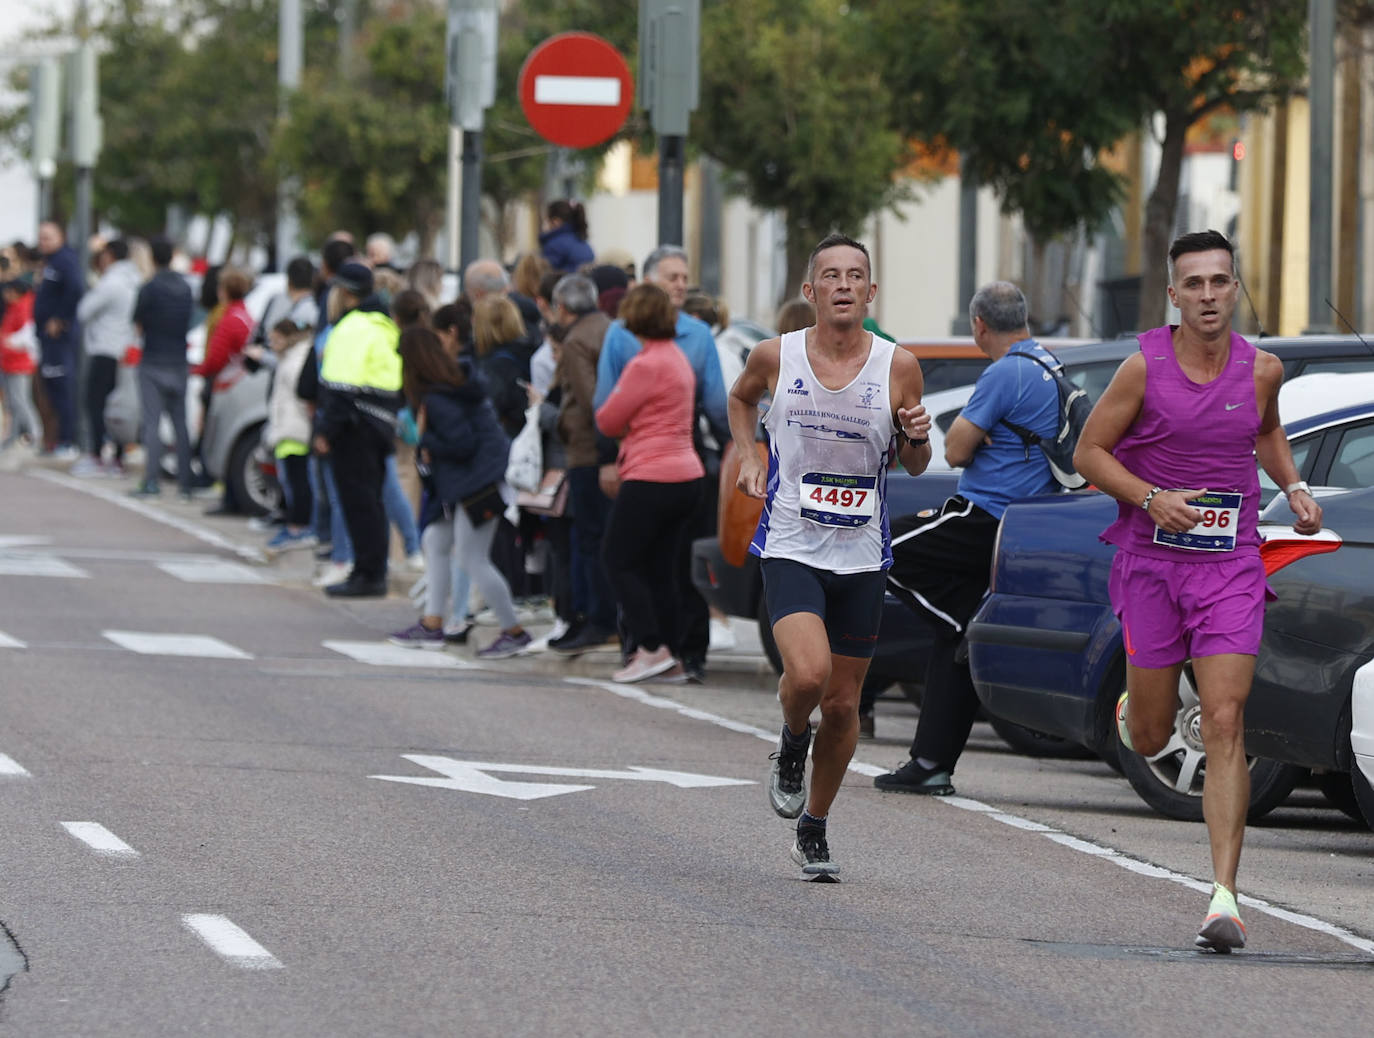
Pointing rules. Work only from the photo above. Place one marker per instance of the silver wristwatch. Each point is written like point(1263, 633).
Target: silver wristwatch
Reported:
point(1299, 485)
point(1150, 497)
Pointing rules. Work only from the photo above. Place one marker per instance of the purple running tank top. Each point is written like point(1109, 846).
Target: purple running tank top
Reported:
point(1191, 436)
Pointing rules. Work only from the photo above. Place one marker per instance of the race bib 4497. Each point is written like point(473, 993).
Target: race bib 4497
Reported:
point(834, 499)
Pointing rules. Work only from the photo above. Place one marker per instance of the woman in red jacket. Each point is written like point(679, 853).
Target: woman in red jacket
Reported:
point(651, 410)
point(18, 346)
point(225, 344)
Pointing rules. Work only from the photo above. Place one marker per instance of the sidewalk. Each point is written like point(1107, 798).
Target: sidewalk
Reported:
point(744, 665)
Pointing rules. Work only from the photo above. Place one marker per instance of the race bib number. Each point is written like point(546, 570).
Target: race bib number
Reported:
point(1216, 532)
point(837, 500)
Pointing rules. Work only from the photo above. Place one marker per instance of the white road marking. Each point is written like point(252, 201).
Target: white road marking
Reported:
point(471, 776)
point(100, 839)
point(381, 654)
point(212, 571)
point(157, 515)
point(27, 564)
point(230, 942)
point(1136, 865)
point(6, 642)
point(592, 91)
point(22, 541)
point(9, 766)
point(201, 645)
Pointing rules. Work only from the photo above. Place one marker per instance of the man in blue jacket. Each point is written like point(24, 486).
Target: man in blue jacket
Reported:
point(54, 316)
point(666, 267)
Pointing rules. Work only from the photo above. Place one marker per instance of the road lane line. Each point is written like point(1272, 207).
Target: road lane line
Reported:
point(157, 515)
point(6, 642)
point(230, 942)
point(9, 766)
point(152, 644)
point(1075, 843)
point(100, 839)
point(384, 654)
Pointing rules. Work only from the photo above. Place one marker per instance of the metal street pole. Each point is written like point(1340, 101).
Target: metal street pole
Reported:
point(471, 84)
point(290, 62)
point(672, 153)
point(85, 129)
point(968, 249)
point(472, 195)
point(669, 87)
point(1321, 92)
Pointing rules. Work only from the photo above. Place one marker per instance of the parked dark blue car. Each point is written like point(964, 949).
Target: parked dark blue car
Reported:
point(1045, 649)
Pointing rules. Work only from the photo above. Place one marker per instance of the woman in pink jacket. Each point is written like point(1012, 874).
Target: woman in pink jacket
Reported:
point(651, 410)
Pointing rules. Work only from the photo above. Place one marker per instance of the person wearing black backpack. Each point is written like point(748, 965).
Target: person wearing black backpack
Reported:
point(942, 559)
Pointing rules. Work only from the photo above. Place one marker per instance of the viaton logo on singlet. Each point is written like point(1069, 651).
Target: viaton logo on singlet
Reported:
point(798, 387)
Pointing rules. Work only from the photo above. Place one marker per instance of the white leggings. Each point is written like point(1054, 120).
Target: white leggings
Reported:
point(449, 541)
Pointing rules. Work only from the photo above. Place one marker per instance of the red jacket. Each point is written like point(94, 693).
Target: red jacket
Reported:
point(227, 340)
point(16, 360)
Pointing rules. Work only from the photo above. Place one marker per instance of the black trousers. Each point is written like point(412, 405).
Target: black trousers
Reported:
point(358, 454)
point(101, 372)
point(648, 523)
point(695, 614)
point(941, 565)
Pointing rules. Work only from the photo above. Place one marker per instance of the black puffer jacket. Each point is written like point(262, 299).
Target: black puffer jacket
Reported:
point(467, 448)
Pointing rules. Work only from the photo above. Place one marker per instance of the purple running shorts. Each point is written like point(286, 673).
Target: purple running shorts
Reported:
point(1173, 611)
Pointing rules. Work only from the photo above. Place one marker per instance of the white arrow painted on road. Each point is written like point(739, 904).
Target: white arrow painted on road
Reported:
point(472, 777)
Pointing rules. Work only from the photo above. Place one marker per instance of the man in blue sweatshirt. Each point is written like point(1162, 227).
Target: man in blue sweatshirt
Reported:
point(54, 316)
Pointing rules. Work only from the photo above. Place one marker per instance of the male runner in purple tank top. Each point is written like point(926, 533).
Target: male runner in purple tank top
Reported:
point(1174, 439)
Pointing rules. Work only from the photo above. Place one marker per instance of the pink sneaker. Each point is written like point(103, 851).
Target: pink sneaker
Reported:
point(645, 664)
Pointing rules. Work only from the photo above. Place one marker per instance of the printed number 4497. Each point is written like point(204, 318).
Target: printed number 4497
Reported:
point(835, 496)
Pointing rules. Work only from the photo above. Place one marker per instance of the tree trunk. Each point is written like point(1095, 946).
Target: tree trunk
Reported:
point(1159, 222)
point(799, 245)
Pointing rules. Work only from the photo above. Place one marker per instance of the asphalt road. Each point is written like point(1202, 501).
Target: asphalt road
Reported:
point(209, 837)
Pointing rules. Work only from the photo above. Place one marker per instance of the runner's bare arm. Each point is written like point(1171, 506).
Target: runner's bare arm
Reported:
point(907, 386)
point(1271, 445)
point(1110, 418)
point(760, 375)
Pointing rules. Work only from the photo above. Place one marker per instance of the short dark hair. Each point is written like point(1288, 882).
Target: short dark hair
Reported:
point(1200, 241)
point(455, 317)
point(648, 312)
point(300, 272)
point(161, 248)
point(830, 241)
point(117, 249)
point(335, 254)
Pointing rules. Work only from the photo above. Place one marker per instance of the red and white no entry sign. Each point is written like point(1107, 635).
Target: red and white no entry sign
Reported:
point(576, 90)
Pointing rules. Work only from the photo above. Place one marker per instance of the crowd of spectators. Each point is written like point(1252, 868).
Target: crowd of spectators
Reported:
point(394, 407)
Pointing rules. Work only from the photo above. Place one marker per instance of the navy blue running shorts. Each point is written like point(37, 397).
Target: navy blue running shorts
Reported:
point(849, 604)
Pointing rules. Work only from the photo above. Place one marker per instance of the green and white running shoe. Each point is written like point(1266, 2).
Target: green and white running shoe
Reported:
point(1222, 931)
point(1121, 730)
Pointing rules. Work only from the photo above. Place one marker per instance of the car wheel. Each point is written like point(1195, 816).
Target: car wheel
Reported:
point(1170, 781)
point(253, 488)
point(1030, 743)
point(1364, 793)
point(770, 647)
point(1338, 787)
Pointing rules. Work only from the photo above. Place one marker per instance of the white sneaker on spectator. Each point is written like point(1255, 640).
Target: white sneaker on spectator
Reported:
point(560, 627)
point(415, 562)
point(722, 634)
point(523, 615)
point(332, 573)
point(87, 466)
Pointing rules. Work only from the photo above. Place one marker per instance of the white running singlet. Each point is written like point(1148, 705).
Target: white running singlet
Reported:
point(829, 450)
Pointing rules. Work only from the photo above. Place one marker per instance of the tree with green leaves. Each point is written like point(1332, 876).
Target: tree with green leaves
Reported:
point(1017, 89)
point(1187, 61)
point(796, 110)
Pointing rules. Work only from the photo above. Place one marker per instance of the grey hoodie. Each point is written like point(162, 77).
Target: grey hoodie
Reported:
point(106, 312)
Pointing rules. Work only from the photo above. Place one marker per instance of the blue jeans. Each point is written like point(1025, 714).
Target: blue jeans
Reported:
point(591, 591)
point(397, 505)
point(338, 531)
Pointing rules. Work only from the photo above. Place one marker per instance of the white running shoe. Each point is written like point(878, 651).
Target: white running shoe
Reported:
point(332, 573)
point(722, 634)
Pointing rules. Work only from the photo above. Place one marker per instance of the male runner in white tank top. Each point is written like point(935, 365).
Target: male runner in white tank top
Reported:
point(848, 404)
